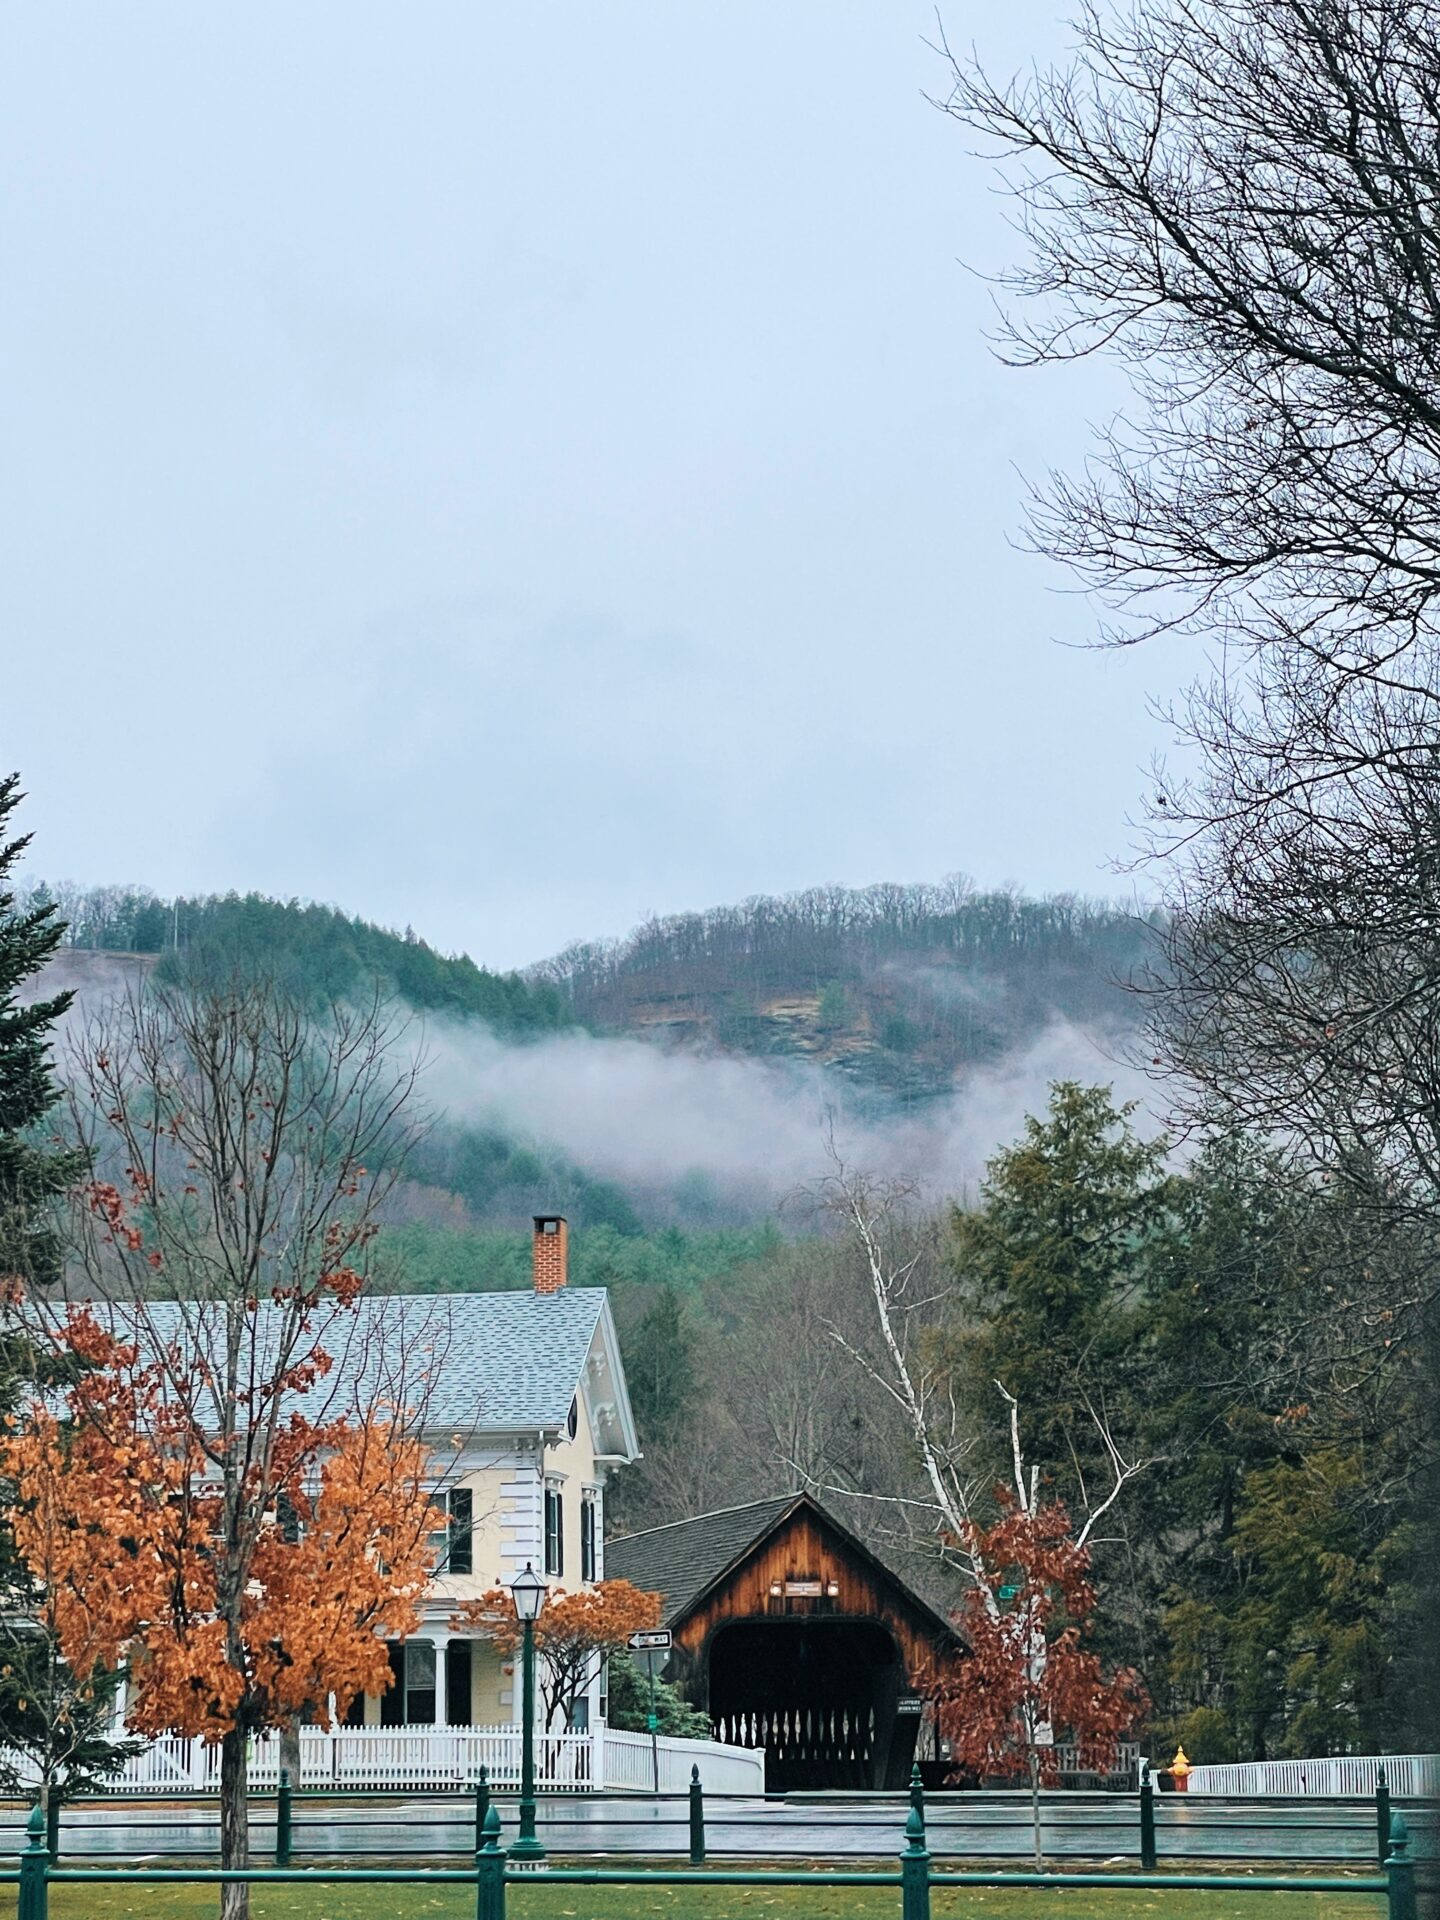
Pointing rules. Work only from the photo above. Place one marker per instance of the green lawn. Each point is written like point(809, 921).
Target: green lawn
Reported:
point(718, 1903)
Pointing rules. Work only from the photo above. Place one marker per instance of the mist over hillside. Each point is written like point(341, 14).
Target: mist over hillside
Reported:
point(696, 1073)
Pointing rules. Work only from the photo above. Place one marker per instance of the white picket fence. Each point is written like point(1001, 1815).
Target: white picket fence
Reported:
point(1125, 1765)
point(1408, 1775)
point(435, 1759)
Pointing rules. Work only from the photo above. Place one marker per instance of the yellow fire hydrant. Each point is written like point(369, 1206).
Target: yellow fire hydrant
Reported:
point(1180, 1771)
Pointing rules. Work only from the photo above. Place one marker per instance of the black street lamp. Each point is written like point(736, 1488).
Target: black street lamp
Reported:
point(528, 1591)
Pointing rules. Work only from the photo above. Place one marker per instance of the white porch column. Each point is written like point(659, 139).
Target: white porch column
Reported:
point(441, 1638)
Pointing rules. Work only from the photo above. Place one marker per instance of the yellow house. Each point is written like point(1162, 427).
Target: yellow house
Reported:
point(520, 1398)
point(525, 1409)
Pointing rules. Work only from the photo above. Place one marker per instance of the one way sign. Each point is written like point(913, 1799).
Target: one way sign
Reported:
point(656, 1641)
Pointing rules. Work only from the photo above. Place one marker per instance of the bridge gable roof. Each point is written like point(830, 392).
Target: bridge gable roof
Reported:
point(689, 1559)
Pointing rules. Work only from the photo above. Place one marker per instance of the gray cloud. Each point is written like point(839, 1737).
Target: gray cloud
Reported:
point(506, 482)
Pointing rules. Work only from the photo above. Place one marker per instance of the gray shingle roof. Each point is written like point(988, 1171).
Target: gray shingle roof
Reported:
point(681, 1560)
point(502, 1361)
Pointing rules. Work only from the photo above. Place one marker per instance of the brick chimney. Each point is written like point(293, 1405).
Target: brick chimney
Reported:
point(552, 1252)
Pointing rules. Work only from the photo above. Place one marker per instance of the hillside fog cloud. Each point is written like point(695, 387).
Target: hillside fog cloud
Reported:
point(645, 1116)
point(651, 1117)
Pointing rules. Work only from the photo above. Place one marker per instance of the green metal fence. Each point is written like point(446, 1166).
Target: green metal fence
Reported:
point(492, 1874)
point(303, 1822)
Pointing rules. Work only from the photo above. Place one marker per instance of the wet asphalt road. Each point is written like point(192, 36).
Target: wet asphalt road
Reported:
point(1103, 1827)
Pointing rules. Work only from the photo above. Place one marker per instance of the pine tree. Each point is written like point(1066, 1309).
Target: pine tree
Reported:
point(1053, 1265)
point(33, 1174)
point(660, 1369)
point(58, 1726)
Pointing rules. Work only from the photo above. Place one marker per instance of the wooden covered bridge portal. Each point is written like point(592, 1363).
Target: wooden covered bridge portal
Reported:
point(794, 1637)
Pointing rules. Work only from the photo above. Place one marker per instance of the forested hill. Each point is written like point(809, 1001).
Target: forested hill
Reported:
point(900, 993)
point(900, 988)
point(319, 951)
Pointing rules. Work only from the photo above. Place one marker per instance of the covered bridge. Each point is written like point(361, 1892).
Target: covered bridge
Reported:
point(794, 1637)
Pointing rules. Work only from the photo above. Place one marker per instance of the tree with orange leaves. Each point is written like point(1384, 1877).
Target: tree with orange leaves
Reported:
point(118, 1509)
point(573, 1634)
point(220, 1504)
point(1029, 1682)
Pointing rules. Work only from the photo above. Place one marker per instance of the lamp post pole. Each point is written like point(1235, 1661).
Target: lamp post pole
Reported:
point(528, 1592)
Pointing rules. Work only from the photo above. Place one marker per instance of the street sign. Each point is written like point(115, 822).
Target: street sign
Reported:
point(656, 1641)
point(909, 1703)
point(1008, 1593)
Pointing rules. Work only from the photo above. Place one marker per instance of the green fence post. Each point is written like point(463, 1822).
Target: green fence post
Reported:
point(1148, 1855)
point(915, 1870)
point(1382, 1815)
point(1399, 1871)
point(482, 1806)
point(917, 1791)
point(697, 1819)
point(490, 1872)
point(34, 1900)
point(284, 1816)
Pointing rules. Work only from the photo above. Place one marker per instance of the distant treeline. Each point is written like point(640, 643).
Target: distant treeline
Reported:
point(844, 932)
point(437, 1259)
point(317, 950)
point(940, 974)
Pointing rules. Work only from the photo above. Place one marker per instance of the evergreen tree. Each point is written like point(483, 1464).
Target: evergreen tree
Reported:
point(660, 1369)
point(1284, 1549)
point(629, 1704)
point(1052, 1268)
point(58, 1726)
point(33, 1174)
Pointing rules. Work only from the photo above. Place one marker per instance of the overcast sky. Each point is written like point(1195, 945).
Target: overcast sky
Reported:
point(512, 469)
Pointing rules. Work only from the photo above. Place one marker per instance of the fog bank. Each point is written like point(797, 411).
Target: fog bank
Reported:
point(643, 1115)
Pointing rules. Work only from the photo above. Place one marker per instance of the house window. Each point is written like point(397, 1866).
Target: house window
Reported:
point(409, 1701)
point(454, 1544)
point(554, 1532)
point(419, 1683)
point(587, 1537)
point(458, 1709)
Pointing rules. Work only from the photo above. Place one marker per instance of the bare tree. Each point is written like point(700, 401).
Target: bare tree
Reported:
point(910, 1368)
point(1301, 992)
point(1240, 200)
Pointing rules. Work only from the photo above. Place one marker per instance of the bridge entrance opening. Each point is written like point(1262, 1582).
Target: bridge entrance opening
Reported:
point(819, 1695)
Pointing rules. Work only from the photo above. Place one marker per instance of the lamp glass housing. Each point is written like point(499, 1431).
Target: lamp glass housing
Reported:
point(528, 1592)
